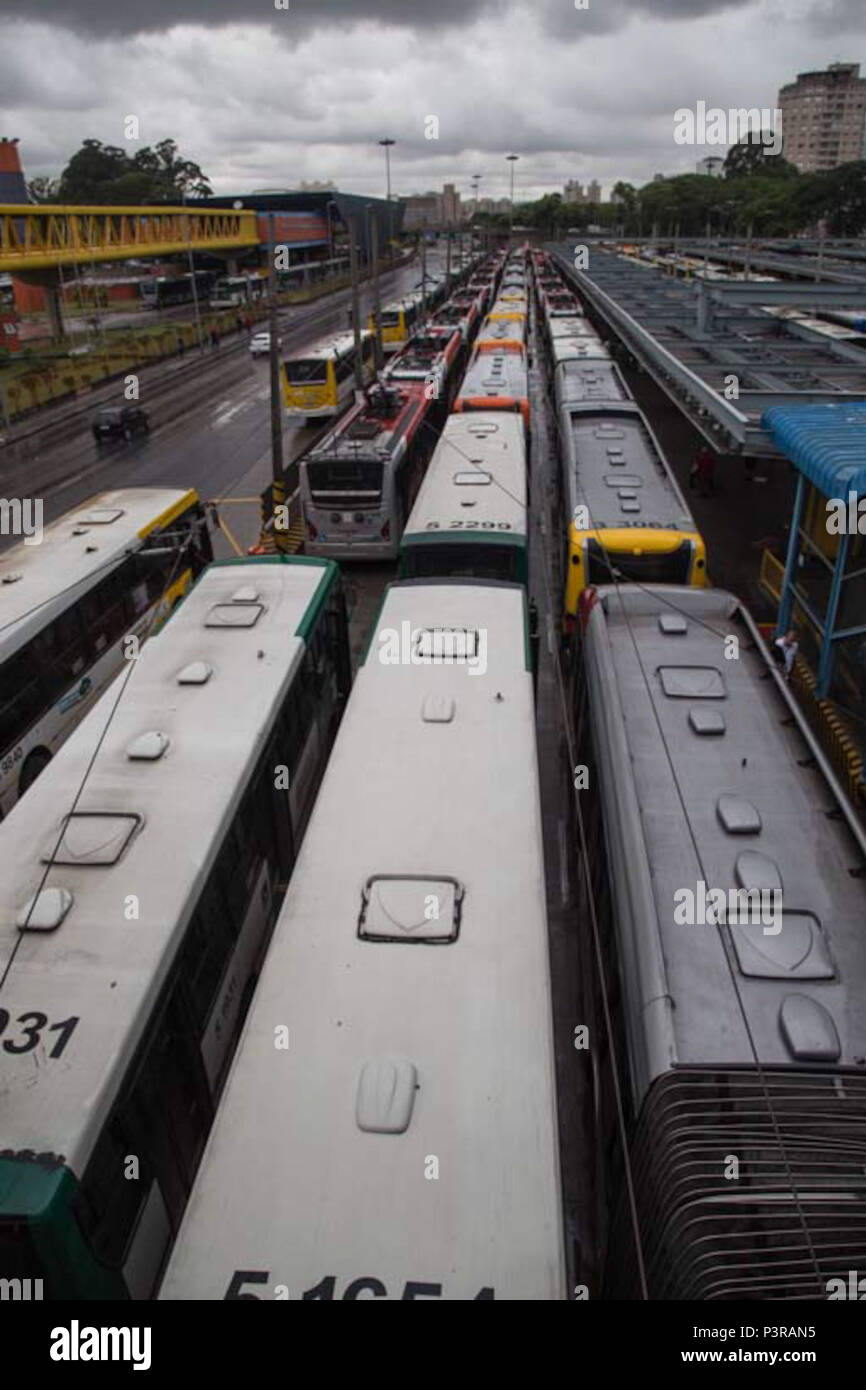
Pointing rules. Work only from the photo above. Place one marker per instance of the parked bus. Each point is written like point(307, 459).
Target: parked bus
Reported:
point(165, 291)
point(495, 380)
point(399, 320)
point(236, 291)
point(410, 967)
point(110, 569)
point(143, 875)
point(470, 515)
point(627, 516)
point(728, 870)
point(358, 485)
point(319, 382)
point(506, 334)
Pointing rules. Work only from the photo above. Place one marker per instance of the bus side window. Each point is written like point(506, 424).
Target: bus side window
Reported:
point(104, 613)
point(26, 696)
point(63, 647)
point(209, 941)
point(229, 872)
point(108, 1203)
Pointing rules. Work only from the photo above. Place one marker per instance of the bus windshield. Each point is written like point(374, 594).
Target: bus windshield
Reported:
point(345, 475)
point(307, 371)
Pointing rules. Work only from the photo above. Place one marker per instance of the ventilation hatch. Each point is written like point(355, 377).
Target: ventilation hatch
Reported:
point(386, 1095)
point(196, 673)
point(45, 910)
point(410, 908)
point(92, 838)
point(148, 747)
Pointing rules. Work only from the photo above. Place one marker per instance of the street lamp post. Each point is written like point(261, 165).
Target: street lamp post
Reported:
point(386, 144)
point(512, 159)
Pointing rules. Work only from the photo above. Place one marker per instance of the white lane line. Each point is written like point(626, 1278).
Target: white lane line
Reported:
point(230, 414)
point(564, 885)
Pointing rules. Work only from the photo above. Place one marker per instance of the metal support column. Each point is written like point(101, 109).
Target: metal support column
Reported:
point(786, 602)
point(825, 662)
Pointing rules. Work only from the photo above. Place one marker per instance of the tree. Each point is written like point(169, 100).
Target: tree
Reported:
point(754, 157)
point(100, 173)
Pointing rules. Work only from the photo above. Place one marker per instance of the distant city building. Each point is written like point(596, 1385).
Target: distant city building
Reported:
point(422, 210)
point(572, 192)
point(593, 192)
point(713, 166)
point(823, 116)
point(437, 210)
point(659, 178)
point(316, 186)
point(450, 205)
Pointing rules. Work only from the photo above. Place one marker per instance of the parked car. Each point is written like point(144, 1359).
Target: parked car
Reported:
point(119, 422)
point(260, 344)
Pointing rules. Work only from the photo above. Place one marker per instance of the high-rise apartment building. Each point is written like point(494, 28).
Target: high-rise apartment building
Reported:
point(823, 115)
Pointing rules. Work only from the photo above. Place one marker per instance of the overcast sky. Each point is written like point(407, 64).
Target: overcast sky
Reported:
point(266, 97)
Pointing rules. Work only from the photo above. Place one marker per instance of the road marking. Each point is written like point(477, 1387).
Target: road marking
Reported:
point(550, 633)
point(230, 414)
point(564, 885)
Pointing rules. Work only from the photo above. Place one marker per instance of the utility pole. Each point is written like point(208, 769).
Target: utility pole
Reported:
point(192, 274)
point(387, 146)
point(448, 258)
point(424, 272)
point(377, 308)
point(356, 305)
point(512, 159)
point(278, 490)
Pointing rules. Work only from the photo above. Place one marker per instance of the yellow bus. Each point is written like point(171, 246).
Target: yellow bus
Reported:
point(400, 319)
point(106, 572)
point(627, 517)
point(319, 382)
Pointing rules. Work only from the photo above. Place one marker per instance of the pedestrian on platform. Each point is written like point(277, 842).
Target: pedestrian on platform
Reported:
point(785, 650)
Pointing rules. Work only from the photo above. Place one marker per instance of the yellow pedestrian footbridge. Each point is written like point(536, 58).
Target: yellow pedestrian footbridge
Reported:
point(41, 236)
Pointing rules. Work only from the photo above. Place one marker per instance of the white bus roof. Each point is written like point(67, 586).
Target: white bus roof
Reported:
point(39, 581)
point(96, 964)
point(495, 373)
point(478, 474)
point(307, 1174)
point(326, 348)
point(566, 349)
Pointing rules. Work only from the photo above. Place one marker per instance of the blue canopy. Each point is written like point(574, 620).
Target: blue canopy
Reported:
point(827, 443)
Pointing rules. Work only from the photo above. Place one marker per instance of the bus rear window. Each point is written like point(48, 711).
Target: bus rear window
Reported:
point(345, 475)
point(307, 371)
point(390, 319)
point(468, 561)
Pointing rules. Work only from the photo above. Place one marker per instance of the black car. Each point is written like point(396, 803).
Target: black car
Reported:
point(121, 421)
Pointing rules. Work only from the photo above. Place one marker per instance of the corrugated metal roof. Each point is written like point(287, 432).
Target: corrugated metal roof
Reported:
point(827, 443)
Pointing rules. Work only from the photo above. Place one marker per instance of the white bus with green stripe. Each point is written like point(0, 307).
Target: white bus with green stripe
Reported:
point(388, 1129)
point(470, 516)
point(134, 917)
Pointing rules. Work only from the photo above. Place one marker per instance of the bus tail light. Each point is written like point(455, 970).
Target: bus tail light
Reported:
point(586, 603)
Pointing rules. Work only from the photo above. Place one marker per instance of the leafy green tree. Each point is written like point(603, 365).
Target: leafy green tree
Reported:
point(754, 157)
point(100, 173)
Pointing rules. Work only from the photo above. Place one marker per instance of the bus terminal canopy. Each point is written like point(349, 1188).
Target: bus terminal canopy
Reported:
point(826, 443)
point(827, 446)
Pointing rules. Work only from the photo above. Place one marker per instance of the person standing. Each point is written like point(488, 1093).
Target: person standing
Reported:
point(787, 647)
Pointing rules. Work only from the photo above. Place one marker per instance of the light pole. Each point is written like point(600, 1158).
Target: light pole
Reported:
point(512, 159)
point(386, 144)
